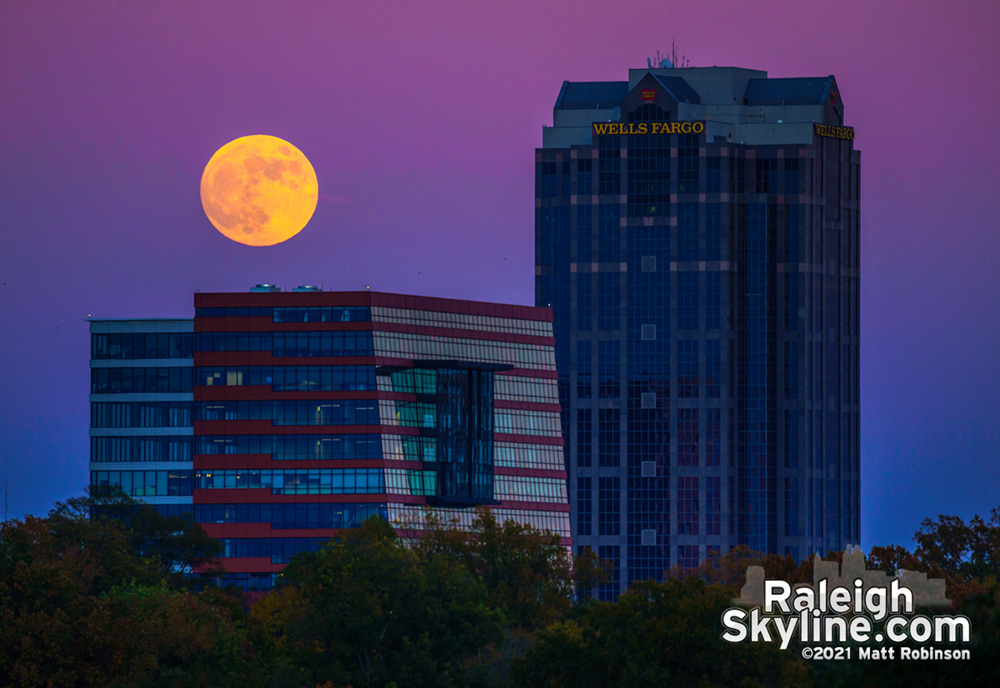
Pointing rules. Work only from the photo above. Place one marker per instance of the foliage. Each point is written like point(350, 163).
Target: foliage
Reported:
point(167, 546)
point(80, 607)
point(655, 634)
point(369, 611)
point(99, 593)
point(528, 574)
point(731, 568)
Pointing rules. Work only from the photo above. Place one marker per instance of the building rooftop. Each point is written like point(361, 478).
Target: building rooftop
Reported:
point(678, 88)
point(591, 95)
point(801, 91)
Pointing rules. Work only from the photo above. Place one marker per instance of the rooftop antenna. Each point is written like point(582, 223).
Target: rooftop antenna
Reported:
point(671, 61)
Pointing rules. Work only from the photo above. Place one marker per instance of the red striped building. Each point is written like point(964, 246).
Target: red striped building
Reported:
point(313, 410)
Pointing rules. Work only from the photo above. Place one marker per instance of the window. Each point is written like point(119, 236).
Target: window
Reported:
point(584, 175)
point(687, 506)
point(609, 437)
point(584, 425)
point(583, 506)
point(687, 437)
point(609, 511)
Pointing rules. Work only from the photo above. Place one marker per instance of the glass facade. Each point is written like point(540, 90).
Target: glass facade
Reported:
point(142, 410)
point(704, 287)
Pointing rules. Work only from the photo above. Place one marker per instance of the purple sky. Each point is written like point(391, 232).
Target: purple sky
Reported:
point(421, 120)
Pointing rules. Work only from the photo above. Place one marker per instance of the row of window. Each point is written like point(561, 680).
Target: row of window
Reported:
point(413, 515)
point(125, 449)
point(420, 483)
point(507, 454)
point(482, 323)
point(289, 344)
point(409, 381)
point(530, 489)
point(310, 447)
point(129, 345)
point(286, 516)
point(290, 314)
point(293, 447)
point(279, 550)
point(141, 414)
point(409, 414)
point(409, 448)
point(289, 378)
point(507, 487)
point(292, 411)
point(295, 481)
point(248, 582)
point(146, 483)
point(526, 389)
point(649, 178)
point(483, 351)
point(523, 422)
point(141, 380)
point(519, 455)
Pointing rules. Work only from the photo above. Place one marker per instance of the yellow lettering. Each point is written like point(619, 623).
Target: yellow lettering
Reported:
point(686, 128)
point(600, 128)
point(642, 127)
point(834, 132)
point(698, 127)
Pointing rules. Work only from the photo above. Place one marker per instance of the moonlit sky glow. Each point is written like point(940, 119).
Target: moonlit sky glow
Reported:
point(421, 120)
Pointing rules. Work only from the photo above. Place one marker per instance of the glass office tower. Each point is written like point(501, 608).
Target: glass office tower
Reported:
point(696, 235)
point(141, 410)
point(306, 412)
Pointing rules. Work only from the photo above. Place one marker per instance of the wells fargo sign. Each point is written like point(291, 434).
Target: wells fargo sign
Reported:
point(830, 132)
point(621, 128)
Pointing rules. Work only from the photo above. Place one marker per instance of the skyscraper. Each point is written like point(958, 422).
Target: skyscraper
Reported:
point(298, 414)
point(696, 235)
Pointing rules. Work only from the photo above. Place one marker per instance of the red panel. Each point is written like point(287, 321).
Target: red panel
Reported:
point(250, 565)
point(279, 299)
point(558, 474)
point(264, 496)
point(525, 405)
point(366, 298)
point(262, 530)
point(528, 439)
point(264, 358)
point(267, 324)
point(235, 461)
point(264, 427)
point(536, 506)
point(520, 372)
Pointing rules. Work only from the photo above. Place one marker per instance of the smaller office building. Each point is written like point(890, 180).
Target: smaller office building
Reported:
point(298, 414)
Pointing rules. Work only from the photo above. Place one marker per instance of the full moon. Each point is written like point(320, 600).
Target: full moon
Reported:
point(259, 190)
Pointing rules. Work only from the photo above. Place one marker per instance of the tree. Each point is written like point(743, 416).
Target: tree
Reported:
point(655, 634)
point(79, 607)
point(731, 568)
point(529, 574)
point(172, 547)
point(366, 610)
point(963, 550)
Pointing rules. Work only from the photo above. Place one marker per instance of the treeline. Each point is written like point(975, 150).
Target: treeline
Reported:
point(106, 593)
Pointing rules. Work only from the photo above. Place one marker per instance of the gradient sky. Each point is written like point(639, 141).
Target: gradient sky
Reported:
point(421, 120)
